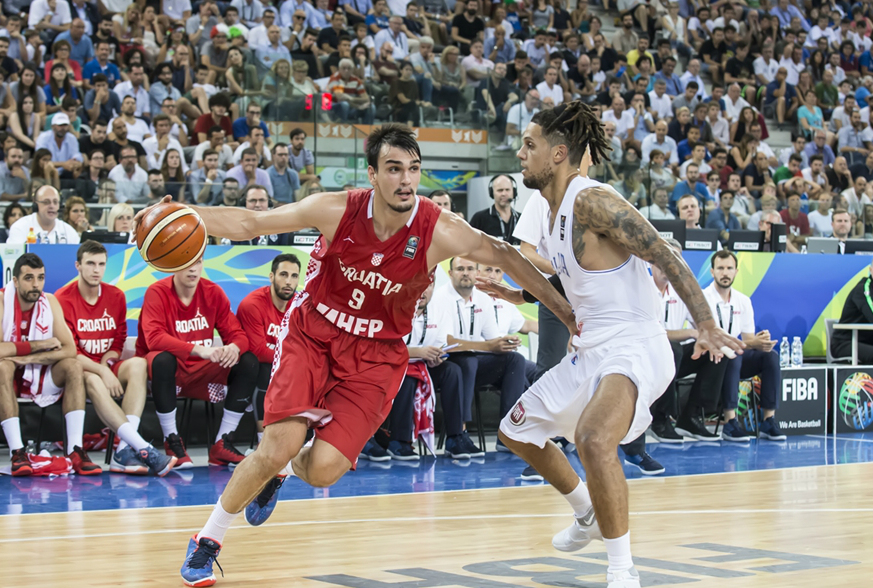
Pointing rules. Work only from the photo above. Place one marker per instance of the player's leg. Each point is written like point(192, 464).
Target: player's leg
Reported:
point(321, 464)
point(604, 423)
point(68, 375)
point(241, 383)
point(10, 422)
point(163, 368)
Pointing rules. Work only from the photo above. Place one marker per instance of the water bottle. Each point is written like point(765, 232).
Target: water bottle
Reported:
point(784, 353)
point(796, 352)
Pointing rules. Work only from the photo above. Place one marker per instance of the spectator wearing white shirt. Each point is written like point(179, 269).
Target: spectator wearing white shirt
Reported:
point(179, 11)
point(475, 65)
point(131, 181)
point(60, 16)
point(662, 104)
point(44, 221)
point(821, 219)
point(734, 103)
point(394, 35)
point(692, 73)
point(797, 147)
point(733, 312)
point(156, 147)
point(659, 209)
point(793, 65)
point(134, 87)
point(519, 116)
point(660, 141)
point(137, 129)
point(216, 142)
point(258, 143)
point(509, 318)
point(549, 87)
point(623, 119)
point(251, 12)
point(765, 66)
point(258, 35)
point(484, 356)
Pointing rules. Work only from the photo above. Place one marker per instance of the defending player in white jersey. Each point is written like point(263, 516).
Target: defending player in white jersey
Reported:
point(598, 245)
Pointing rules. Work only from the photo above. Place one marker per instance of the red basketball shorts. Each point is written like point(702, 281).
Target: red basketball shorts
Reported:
point(342, 383)
point(199, 379)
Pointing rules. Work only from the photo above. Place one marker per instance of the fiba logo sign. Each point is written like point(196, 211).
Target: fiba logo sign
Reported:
point(855, 401)
point(799, 389)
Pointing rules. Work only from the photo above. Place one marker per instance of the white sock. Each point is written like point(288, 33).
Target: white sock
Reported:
point(75, 420)
point(229, 423)
point(260, 436)
point(218, 524)
point(12, 430)
point(579, 499)
point(134, 421)
point(168, 423)
point(128, 435)
point(618, 552)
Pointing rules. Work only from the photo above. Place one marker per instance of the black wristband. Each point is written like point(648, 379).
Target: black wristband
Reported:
point(528, 297)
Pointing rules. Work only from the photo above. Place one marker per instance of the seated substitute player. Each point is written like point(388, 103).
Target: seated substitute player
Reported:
point(734, 314)
point(179, 316)
point(260, 314)
point(96, 314)
point(43, 366)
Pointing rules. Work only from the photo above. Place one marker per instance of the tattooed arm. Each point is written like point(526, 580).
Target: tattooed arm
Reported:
point(603, 211)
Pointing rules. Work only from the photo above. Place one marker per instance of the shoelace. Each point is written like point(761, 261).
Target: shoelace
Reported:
point(176, 446)
point(269, 491)
point(201, 556)
point(230, 446)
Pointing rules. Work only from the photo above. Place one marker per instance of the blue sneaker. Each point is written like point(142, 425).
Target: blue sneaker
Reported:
point(197, 569)
point(126, 461)
point(471, 447)
point(260, 509)
point(402, 451)
point(374, 452)
point(159, 463)
point(733, 431)
point(646, 464)
point(530, 474)
point(769, 429)
point(455, 448)
point(501, 447)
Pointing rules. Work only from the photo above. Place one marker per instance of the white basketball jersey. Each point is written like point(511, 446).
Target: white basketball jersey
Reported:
point(620, 297)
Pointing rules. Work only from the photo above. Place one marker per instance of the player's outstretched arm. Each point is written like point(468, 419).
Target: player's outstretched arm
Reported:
point(604, 211)
point(453, 237)
point(319, 211)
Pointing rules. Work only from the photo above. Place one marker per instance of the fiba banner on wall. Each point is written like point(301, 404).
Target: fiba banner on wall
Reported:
point(853, 406)
point(802, 396)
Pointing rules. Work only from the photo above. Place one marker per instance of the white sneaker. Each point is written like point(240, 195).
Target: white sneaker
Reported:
point(623, 579)
point(583, 530)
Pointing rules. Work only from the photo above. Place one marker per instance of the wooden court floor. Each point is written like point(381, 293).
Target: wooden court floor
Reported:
point(799, 528)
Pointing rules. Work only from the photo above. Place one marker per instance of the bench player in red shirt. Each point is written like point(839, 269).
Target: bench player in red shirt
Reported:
point(179, 316)
point(342, 355)
point(260, 314)
point(96, 314)
point(43, 366)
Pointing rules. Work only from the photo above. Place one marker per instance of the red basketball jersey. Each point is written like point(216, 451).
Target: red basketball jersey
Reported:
point(261, 320)
point(369, 287)
point(96, 328)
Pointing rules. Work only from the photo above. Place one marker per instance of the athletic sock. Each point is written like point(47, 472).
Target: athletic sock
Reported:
point(579, 499)
point(122, 442)
point(128, 435)
point(229, 422)
point(12, 430)
point(75, 420)
point(618, 552)
point(218, 524)
point(168, 423)
point(260, 436)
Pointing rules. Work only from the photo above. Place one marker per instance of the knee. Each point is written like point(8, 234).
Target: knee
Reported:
point(249, 364)
point(164, 364)
point(139, 368)
point(70, 368)
point(93, 384)
point(771, 360)
point(592, 444)
point(323, 475)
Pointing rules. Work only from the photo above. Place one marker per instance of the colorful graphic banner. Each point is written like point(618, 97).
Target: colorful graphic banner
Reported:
point(355, 172)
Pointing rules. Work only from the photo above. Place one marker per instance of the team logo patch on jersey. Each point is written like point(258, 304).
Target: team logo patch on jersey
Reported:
point(377, 258)
point(411, 247)
point(517, 416)
point(563, 225)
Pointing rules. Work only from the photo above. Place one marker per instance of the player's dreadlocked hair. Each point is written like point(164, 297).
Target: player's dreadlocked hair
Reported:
point(575, 125)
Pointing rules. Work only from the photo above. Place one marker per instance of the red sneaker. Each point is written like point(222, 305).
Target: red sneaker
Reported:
point(174, 446)
point(224, 453)
point(20, 464)
point(82, 464)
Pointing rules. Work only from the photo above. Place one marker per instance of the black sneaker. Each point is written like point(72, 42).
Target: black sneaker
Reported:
point(402, 451)
point(734, 431)
point(769, 429)
point(470, 447)
point(530, 474)
point(646, 464)
point(695, 428)
point(664, 432)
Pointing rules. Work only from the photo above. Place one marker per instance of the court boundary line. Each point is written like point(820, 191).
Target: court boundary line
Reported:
point(323, 522)
point(520, 486)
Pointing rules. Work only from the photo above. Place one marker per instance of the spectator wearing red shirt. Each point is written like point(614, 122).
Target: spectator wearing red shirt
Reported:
point(219, 105)
point(179, 316)
point(260, 314)
point(796, 221)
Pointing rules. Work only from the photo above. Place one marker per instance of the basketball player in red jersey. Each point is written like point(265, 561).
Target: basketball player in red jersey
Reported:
point(179, 316)
point(96, 314)
point(44, 366)
point(260, 314)
point(343, 357)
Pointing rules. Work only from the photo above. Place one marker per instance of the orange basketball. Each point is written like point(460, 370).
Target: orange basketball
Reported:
point(171, 237)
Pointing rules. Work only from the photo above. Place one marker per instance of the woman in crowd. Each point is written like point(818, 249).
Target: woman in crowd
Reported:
point(174, 177)
point(309, 188)
point(43, 169)
point(76, 214)
point(542, 15)
point(277, 89)
point(58, 87)
point(25, 124)
point(594, 26)
point(242, 77)
point(742, 154)
point(13, 212)
point(678, 128)
point(451, 80)
point(61, 52)
point(28, 84)
point(153, 34)
point(121, 219)
point(129, 29)
point(740, 127)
